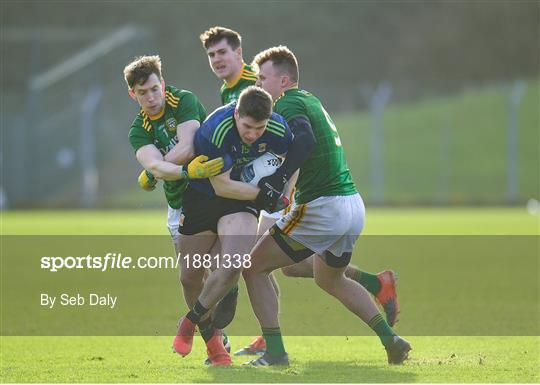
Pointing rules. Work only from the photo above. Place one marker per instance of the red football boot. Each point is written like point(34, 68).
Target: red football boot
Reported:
point(184, 337)
point(217, 354)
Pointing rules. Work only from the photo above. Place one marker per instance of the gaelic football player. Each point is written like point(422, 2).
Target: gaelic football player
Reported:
point(225, 207)
point(224, 51)
point(162, 137)
point(324, 191)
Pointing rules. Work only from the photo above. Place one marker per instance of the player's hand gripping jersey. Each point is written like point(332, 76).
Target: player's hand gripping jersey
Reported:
point(180, 106)
point(218, 137)
point(325, 172)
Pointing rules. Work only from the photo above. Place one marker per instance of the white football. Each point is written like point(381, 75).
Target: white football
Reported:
point(264, 165)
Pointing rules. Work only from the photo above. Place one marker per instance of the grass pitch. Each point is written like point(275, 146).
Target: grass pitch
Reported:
point(337, 359)
point(314, 360)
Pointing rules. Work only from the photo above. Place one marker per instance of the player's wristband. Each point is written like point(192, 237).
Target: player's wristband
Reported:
point(183, 173)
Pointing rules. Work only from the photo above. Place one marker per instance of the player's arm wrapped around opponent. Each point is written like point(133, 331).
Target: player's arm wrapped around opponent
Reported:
point(157, 168)
point(270, 197)
point(226, 187)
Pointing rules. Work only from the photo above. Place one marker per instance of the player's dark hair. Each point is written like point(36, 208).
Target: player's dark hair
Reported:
point(283, 60)
point(140, 69)
point(255, 103)
point(216, 34)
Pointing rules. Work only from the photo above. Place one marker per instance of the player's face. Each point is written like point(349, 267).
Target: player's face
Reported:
point(150, 95)
point(249, 129)
point(224, 61)
point(270, 80)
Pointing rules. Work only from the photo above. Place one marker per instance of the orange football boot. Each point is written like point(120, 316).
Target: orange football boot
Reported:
point(257, 346)
point(387, 296)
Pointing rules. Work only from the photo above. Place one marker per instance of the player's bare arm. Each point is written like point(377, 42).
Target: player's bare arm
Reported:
point(289, 187)
point(228, 188)
point(151, 159)
point(200, 167)
point(183, 151)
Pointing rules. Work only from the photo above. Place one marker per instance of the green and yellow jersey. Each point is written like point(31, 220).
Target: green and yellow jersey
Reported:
point(231, 91)
point(160, 130)
point(325, 172)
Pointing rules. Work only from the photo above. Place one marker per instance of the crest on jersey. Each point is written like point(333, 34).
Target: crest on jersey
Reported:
point(171, 124)
point(262, 147)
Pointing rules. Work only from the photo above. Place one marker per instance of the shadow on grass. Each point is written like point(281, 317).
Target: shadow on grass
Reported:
point(312, 372)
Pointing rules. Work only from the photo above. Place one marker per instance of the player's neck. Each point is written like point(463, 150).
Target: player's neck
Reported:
point(159, 114)
point(292, 86)
point(231, 80)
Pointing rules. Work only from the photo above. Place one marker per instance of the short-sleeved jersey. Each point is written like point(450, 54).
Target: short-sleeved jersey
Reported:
point(325, 172)
point(218, 136)
point(230, 92)
point(180, 106)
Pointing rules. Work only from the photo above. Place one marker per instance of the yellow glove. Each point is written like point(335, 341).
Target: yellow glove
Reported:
point(147, 181)
point(201, 167)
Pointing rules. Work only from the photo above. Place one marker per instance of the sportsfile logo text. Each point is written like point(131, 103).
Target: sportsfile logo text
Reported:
point(117, 261)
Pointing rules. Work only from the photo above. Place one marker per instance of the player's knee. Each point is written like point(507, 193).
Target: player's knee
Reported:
point(291, 271)
point(300, 270)
point(229, 275)
point(325, 283)
point(257, 267)
point(191, 281)
point(254, 271)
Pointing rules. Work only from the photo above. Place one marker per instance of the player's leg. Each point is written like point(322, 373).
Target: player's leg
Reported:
point(189, 248)
point(270, 253)
point(266, 257)
point(258, 345)
point(237, 235)
point(225, 309)
point(266, 221)
point(329, 275)
point(199, 228)
point(383, 287)
point(191, 278)
point(329, 270)
point(303, 269)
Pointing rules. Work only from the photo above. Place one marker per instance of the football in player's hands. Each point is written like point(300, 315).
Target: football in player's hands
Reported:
point(259, 168)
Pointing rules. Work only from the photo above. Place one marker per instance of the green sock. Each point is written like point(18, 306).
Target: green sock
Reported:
point(383, 330)
point(274, 341)
point(368, 280)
